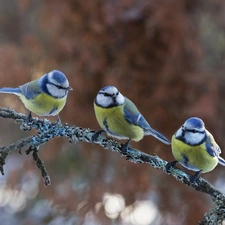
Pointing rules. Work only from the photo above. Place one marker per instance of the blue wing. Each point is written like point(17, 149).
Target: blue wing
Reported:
point(133, 116)
point(211, 146)
point(31, 89)
point(213, 149)
point(136, 119)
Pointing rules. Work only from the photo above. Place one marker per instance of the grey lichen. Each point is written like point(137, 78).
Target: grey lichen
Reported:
point(47, 131)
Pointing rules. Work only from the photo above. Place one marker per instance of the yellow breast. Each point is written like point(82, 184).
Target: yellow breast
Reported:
point(44, 105)
point(193, 157)
point(112, 120)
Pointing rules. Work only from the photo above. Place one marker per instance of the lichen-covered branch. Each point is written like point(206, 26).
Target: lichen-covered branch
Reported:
point(47, 130)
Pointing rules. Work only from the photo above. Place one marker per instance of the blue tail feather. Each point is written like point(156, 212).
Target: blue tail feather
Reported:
point(9, 90)
point(157, 135)
point(161, 138)
point(221, 161)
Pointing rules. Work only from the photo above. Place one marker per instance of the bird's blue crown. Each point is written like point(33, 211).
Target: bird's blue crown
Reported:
point(195, 122)
point(58, 76)
point(107, 88)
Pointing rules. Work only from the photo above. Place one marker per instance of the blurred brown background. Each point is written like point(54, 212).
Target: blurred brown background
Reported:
point(165, 55)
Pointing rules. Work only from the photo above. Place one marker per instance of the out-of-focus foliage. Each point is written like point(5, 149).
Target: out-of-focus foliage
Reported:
point(167, 56)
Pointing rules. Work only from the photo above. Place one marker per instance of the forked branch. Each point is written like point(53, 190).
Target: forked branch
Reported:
point(47, 130)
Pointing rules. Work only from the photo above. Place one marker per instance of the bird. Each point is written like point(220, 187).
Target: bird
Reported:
point(194, 147)
point(120, 118)
point(45, 96)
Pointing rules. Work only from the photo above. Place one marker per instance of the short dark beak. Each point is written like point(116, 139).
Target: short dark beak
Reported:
point(69, 88)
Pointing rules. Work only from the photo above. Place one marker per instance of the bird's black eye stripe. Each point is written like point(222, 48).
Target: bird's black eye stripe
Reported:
point(194, 131)
point(105, 94)
point(108, 95)
point(191, 130)
point(58, 86)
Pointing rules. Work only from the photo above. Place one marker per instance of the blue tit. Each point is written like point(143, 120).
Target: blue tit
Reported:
point(195, 148)
point(45, 96)
point(120, 118)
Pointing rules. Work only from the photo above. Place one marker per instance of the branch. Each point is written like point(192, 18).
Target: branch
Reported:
point(47, 130)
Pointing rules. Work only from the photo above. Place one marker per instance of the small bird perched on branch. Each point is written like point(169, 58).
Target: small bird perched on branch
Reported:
point(120, 118)
point(195, 148)
point(45, 96)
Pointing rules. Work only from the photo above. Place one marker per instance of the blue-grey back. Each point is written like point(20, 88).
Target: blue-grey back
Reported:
point(31, 89)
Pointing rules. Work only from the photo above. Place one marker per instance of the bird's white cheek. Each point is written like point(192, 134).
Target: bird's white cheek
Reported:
point(103, 101)
point(120, 99)
point(56, 92)
point(179, 133)
point(190, 137)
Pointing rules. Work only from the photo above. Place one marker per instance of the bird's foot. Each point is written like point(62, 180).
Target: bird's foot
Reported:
point(195, 177)
point(26, 126)
point(29, 118)
point(58, 122)
point(170, 165)
point(96, 134)
point(125, 146)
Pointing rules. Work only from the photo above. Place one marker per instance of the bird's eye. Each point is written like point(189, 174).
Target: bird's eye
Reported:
point(194, 131)
point(56, 85)
point(107, 94)
point(117, 93)
point(59, 87)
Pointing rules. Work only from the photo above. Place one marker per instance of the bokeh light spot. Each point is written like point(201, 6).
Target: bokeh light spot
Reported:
point(113, 204)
